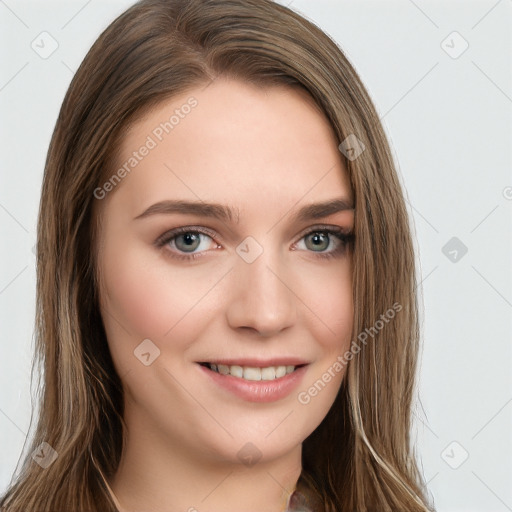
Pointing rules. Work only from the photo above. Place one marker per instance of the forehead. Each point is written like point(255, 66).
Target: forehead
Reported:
point(232, 140)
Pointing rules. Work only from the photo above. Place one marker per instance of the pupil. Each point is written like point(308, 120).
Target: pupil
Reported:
point(317, 238)
point(189, 239)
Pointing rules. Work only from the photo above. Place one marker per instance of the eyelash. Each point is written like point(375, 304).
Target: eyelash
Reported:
point(344, 237)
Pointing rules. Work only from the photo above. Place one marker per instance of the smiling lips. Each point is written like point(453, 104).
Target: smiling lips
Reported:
point(255, 369)
point(257, 381)
point(252, 372)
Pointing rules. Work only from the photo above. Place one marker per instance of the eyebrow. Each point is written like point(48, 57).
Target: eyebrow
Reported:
point(225, 213)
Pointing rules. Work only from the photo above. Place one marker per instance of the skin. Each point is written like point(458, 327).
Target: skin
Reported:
point(267, 152)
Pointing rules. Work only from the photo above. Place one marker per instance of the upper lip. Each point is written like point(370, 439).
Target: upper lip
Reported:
point(259, 363)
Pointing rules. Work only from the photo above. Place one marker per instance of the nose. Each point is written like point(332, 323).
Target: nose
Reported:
point(262, 299)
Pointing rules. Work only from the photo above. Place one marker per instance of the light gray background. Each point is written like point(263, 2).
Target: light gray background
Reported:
point(449, 121)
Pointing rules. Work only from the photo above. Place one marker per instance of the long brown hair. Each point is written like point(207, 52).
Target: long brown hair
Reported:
point(361, 456)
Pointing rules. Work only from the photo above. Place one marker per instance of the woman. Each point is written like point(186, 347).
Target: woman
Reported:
point(256, 373)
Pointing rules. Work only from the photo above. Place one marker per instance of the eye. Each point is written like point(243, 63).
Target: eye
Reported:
point(184, 241)
point(321, 238)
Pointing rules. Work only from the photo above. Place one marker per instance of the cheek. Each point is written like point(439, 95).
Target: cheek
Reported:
point(136, 298)
point(331, 327)
point(330, 299)
point(142, 298)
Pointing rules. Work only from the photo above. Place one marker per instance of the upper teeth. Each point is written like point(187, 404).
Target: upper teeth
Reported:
point(251, 373)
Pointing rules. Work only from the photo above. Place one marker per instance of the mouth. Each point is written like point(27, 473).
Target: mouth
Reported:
point(255, 380)
point(252, 373)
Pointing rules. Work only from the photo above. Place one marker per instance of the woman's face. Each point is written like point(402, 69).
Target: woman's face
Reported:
point(255, 292)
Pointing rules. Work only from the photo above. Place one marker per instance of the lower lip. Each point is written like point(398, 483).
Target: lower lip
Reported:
point(258, 390)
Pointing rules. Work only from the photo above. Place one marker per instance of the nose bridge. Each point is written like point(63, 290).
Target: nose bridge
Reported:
point(263, 300)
